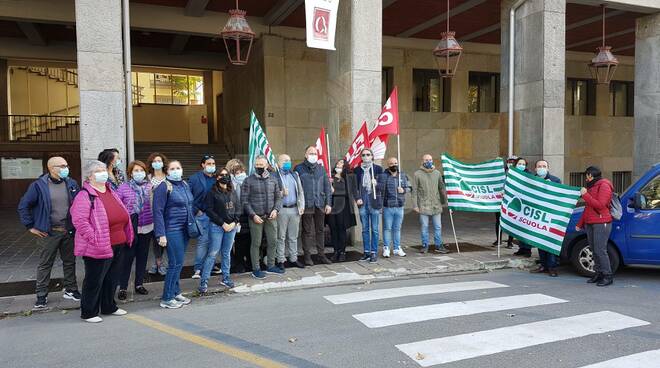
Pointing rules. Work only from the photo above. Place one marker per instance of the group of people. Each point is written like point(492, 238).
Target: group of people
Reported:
point(114, 219)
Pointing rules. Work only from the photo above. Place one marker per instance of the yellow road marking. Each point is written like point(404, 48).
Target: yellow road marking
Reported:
point(207, 343)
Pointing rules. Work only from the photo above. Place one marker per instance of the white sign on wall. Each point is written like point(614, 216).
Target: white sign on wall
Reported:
point(21, 168)
point(321, 16)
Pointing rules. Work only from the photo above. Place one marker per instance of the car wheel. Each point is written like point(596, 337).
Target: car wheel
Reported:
point(582, 258)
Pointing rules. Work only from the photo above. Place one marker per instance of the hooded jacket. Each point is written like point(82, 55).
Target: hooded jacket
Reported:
point(428, 193)
point(597, 199)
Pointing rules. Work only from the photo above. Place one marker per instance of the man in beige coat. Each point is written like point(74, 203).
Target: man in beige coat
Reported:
point(428, 197)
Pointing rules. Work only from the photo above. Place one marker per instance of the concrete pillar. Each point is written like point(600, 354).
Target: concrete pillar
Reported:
point(540, 79)
point(4, 101)
point(100, 77)
point(647, 94)
point(355, 70)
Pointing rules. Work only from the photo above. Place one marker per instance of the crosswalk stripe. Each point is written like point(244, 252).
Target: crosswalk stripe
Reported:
point(646, 359)
point(400, 316)
point(363, 296)
point(471, 345)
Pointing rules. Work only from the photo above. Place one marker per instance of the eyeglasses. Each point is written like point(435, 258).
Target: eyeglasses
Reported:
point(206, 157)
point(62, 166)
point(366, 155)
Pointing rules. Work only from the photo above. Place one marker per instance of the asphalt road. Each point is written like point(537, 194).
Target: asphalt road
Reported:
point(500, 319)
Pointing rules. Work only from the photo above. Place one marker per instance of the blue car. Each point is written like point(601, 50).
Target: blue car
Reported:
point(635, 238)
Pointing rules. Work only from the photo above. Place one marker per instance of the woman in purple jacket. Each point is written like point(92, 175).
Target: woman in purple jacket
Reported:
point(135, 194)
point(103, 232)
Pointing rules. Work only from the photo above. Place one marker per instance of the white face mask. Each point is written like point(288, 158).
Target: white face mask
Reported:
point(101, 177)
point(339, 170)
point(312, 159)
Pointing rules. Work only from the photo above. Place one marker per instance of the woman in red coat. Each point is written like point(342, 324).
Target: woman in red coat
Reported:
point(597, 223)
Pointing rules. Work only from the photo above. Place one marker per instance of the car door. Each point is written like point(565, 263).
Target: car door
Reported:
point(643, 227)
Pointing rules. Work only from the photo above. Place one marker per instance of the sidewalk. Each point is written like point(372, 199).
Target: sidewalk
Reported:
point(474, 232)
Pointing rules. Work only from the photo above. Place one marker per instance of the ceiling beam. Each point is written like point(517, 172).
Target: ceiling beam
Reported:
point(280, 11)
point(480, 32)
point(599, 38)
point(195, 8)
point(387, 3)
point(32, 33)
point(441, 18)
point(594, 19)
point(179, 44)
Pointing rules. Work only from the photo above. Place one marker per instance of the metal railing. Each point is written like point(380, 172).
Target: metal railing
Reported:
point(621, 180)
point(42, 128)
point(70, 76)
point(577, 179)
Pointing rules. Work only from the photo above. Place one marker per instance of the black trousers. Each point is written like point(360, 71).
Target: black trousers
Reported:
point(241, 257)
point(100, 283)
point(140, 252)
point(337, 225)
point(313, 223)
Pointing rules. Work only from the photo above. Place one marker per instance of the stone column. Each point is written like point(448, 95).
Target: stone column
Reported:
point(540, 79)
point(100, 77)
point(355, 71)
point(4, 101)
point(647, 94)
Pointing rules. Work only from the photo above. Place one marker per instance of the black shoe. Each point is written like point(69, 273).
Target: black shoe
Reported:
point(324, 260)
point(598, 277)
point(72, 295)
point(552, 272)
point(342, 257)
point(141, 290)
point(335, 257)
point(373, 258)
point(216, 271)
point(280, 266)
point(122, 295)
point(509, 246)
point(42, 302)
point(607, 280)
point(495, 243)
point(308, 261)
point(365, 258)
point(297, 264)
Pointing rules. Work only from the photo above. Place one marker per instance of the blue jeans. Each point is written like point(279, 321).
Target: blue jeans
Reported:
point(202, 241)
point(177, 242)
point(548, 260)
point(437, 230)
point(369, 218)
point(392, 220)
point(221, 241)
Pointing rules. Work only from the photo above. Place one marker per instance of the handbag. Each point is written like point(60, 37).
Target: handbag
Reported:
point(194, 228)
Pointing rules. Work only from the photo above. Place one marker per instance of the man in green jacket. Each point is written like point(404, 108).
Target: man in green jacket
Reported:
point(428, 197)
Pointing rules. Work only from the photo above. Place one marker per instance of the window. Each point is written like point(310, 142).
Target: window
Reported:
point(578, 179)
point(580, 97)
point(651, 195)
point(621, 180)
point(168, 89)
point(431, 93)
point(388, 82)
point(484, 92)
point(622, 100)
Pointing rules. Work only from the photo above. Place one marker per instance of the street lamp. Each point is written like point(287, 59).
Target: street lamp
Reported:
point(448, 52)
point(604, 64)
point(238, 37)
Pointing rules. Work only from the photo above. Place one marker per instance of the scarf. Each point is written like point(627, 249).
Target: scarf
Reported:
point(366, 178)
point(593, 182)
point(140, 195)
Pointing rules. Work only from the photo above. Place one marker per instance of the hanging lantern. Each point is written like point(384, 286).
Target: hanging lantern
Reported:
point(604, 64)
point(448, 52)
point(238, 37)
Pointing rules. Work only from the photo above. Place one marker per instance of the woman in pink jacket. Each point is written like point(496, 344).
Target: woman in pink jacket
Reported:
point(103, 230)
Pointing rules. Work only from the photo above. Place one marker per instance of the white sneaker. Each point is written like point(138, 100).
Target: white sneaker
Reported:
point(386, 252)
point(96, 319)
point(170, 304)
point(119, 312)
point(197, 275)
point(399, 252)
point(182, 299)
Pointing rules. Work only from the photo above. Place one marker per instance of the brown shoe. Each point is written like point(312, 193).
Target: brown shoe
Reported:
point(539, 269)
point(308, 261)
point(323, 259)
point(553, 272)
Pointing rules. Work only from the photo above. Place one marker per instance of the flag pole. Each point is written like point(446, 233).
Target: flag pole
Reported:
point(398, 152)
point(451, 217)
point(499, 234)
point(327, 149)
point(372, 180)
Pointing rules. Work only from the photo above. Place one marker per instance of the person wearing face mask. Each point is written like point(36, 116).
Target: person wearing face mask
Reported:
point(172, 208)
point(110, 157)
point(395, 185)
point(261, 197)
point(136, 196)
point(596, 221)
point(103, 232)
point(241, 257)
point(293, 206)
point(369, 200)
point(44, 211)
point(200, 184)
point(548, 260)
point(222, 207)
point(498, 233)
point(428, 197)
point(156, 163)
point(524, 249)
point(342, 216)
point(318, 197)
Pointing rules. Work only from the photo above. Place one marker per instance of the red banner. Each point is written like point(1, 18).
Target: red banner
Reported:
point(321, 148)
point(360, 142)
point(388, 124)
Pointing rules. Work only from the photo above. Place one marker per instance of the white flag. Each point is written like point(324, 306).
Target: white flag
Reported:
point(321, 18)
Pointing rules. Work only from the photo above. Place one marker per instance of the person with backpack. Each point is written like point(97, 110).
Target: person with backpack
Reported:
point(172, 211)
point(549, 261)
point(596, 220)
point(136, 196)
point(103, 232)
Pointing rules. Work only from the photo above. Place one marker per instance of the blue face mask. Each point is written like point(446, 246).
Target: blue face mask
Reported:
point(542, 172)
point(139, 176)
point(521, 167)
point(286, 166)
point(428, 165)
point(209, 169)
point(116, 163)
point(175, 175)
point(157, 165)
point(64, 172)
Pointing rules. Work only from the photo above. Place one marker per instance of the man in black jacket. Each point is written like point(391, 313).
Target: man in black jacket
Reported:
point(549, 261)
point(318, 199)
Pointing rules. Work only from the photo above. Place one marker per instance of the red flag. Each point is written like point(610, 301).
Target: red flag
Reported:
point(388, 123)
point(321, 148)
point(360, 142)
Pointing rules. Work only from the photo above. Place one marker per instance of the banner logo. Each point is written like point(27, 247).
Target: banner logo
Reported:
point(321, 21)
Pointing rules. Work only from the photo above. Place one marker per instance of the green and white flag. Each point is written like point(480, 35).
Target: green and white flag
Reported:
point(473, 187)
point(259, 144)
point(537, 211)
